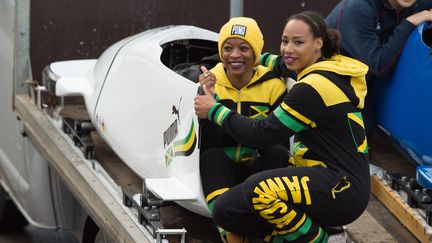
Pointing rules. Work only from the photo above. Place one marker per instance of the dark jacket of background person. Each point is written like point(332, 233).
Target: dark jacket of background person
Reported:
point(373, 32)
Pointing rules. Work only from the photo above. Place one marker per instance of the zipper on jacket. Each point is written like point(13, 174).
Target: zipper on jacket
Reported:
point(238, 111)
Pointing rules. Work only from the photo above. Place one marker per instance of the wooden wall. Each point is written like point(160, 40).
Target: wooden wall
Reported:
point(78, 29)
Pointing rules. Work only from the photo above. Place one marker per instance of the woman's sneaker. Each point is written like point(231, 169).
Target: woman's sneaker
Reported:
point(337, 234)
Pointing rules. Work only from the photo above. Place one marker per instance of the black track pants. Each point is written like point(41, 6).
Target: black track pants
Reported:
point(291, 204)
point(219, 172)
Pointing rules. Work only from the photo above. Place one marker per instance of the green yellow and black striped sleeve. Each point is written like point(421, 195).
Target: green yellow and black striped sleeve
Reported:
point(301, 108)
point(270, 60)
point(295, 114)
point(249, 131)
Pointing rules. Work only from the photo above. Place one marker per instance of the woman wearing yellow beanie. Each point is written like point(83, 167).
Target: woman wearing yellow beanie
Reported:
point(245, 29)
point(249, 89)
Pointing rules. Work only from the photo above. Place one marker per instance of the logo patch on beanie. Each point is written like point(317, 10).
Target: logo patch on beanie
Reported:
point(238, 30)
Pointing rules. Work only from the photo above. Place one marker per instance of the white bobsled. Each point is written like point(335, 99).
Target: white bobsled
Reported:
point(144, 109)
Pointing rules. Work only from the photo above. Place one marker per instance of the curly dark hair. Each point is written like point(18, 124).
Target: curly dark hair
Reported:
point(331, 37)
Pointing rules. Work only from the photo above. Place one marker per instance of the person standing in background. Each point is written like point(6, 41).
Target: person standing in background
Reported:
point(374, 32)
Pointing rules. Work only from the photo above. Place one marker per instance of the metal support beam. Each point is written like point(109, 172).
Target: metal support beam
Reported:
point(22, 67)
point(236, 8)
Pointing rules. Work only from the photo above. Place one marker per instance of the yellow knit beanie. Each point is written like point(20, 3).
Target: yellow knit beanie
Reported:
point(246, 29)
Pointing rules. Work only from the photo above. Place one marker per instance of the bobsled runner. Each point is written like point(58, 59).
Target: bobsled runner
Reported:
point(139, 95)
point(404, 101)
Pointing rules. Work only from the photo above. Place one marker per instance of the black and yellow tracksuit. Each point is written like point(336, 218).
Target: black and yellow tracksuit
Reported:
point(329, 182)
point(224, 162)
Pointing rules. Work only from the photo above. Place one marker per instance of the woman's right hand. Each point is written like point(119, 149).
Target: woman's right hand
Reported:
point(207, 79)
point(203, 103)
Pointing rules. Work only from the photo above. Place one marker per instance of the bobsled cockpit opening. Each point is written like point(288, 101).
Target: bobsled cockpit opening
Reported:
point(427, 39)
point(427, 36)
point(186, 56)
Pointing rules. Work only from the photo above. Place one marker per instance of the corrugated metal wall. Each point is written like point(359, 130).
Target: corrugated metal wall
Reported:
point(271, 15)
point(77, 29)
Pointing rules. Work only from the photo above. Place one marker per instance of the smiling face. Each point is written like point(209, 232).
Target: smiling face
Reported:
point(401, 4)
point(299, 48)
point(238, 58)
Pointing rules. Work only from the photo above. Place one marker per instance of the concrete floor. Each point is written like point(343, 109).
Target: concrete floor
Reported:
point(389, 229)
point(386, 155)
point(31, 234)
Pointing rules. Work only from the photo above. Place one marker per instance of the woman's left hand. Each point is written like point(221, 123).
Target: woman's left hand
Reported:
point(203, 103)
point(207, 79)
point(420, 17)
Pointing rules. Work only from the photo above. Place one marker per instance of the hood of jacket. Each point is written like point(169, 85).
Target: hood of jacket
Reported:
point(354, 86)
